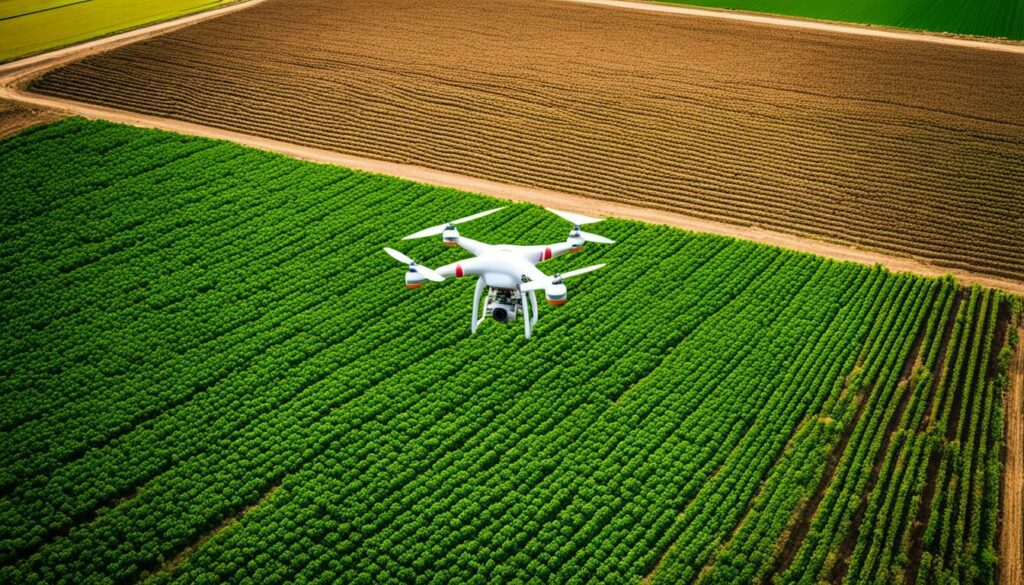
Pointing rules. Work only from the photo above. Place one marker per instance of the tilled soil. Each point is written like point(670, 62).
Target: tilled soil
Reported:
point(913, 148)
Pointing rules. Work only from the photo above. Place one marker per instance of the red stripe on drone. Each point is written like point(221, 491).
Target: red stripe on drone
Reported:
point(547, 254)
point(458, 271)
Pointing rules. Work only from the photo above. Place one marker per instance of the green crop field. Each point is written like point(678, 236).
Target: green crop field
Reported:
point(33, 26)
point(987, 18)
point(211, 371)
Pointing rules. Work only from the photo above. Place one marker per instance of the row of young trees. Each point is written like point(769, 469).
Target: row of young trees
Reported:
point(208, 346)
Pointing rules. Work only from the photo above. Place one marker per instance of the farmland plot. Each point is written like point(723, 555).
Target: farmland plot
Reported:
point(33, 26)
point(987, 18)
point(211, 371)
point(911, 148)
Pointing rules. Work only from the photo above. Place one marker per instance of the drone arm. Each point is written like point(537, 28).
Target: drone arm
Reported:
point(472, 246)
point(561, 249)
point(537, 254)
point(477, 293)
point(467, 267)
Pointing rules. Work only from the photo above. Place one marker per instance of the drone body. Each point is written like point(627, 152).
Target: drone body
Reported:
point(509, 272)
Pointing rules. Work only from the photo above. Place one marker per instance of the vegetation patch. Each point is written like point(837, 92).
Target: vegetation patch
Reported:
point(190, 325)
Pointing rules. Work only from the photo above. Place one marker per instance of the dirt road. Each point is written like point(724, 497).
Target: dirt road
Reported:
point(835, 27)
point(1012, 538)
point(16, 116)
point(546, 198)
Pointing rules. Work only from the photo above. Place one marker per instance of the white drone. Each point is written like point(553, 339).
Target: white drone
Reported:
point(509, 271)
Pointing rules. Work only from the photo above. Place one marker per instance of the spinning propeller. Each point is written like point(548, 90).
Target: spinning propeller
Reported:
point(427, 273)
point(577, 220)
point(437, 229)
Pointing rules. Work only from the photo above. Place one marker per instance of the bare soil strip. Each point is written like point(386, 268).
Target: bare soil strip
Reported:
point(849, 542)
point(1012, 538)
point(920, 519)
point(800, 524)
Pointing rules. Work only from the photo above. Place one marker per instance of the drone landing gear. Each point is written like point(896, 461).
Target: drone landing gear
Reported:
point(529, 321)
point(477, 317)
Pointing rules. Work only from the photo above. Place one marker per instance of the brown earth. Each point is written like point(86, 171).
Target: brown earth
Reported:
point(912, 148)
point(15, 117)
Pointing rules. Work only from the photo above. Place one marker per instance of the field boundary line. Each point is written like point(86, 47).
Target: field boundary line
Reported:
point(56, 57)
point(1012, 537)
point(14, 89)
point(16, 76)
point(878, 31)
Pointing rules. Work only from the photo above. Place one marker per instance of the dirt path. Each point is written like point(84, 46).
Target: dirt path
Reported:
point(834, 27)
point(543, 197)
point(1012, 544)
point(16, 116)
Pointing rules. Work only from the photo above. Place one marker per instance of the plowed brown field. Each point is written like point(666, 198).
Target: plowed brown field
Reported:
point(908, 147)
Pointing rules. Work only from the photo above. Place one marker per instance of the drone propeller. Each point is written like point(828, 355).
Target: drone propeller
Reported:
point(574, 218)
point(557, 278)
point(589, 237)
point(428, 273)
point(577, 220)
point(437, 229)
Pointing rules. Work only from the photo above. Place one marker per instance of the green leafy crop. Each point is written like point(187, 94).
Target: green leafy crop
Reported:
point(211, 371)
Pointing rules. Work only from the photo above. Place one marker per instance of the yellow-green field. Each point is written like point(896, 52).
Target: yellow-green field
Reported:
point(33, 26)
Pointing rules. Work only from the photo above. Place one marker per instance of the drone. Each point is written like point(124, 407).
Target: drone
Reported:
point(509, 272)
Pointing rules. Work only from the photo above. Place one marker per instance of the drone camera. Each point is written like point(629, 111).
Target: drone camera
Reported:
point(503, 304)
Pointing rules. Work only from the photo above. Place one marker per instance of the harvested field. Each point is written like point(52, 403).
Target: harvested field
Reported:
point(906, 147)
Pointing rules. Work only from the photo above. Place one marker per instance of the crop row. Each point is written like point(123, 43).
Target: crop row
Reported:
point(215, 374)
